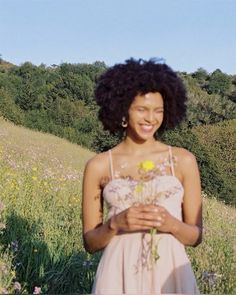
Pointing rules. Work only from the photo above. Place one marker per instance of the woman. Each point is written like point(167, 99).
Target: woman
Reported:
point(152, 190)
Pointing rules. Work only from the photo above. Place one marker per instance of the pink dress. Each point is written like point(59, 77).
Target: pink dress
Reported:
point(127, 266)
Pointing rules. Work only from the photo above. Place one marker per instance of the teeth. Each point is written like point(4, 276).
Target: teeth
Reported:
point(147, 127)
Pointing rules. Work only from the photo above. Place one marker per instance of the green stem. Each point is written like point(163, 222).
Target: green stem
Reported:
point(154, 253)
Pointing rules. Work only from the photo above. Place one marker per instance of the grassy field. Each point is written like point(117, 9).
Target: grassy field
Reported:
point(40, 221)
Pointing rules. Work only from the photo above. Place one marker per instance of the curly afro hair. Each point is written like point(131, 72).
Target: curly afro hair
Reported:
point(117, 87)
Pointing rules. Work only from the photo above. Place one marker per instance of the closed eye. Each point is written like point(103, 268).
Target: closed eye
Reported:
point(159, 111)
point(141, 109)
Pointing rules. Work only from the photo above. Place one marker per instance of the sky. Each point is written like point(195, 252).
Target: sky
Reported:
point(187, 34)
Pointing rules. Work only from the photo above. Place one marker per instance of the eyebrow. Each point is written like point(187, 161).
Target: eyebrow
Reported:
point(141, 106)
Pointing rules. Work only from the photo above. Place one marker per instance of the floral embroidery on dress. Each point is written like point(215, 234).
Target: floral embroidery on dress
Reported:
point(155, 185)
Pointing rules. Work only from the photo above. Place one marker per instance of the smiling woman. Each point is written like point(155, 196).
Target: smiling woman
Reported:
point(118, 86)
point(145, 115)
point(152, 190)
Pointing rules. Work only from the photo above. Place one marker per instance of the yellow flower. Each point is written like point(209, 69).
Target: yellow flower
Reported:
point(146, 165)
point(13, 273)
point(34, 177)
point(34, 169)
point(138, 188)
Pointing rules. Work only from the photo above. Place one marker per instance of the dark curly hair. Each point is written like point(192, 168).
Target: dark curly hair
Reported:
point(117, 87)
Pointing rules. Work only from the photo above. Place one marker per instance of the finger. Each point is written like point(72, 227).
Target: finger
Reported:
point(161, 209)
point(143, 216)
point(147, 208)
point(159, 218)
point(147, 223)
point(136, 204)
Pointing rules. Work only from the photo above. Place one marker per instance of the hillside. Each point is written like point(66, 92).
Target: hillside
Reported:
point(40, 221)
point(5, 64)
point(41, 149)
point(40, 200)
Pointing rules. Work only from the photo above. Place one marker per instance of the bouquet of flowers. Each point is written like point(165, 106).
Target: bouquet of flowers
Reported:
point(145, 193)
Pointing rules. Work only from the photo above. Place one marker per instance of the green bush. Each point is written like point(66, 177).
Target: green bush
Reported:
point(8, 108)
point(204, 108)
point(213, 147)
point(219, 142)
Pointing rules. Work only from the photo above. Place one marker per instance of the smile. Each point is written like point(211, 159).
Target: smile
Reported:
point(147, 128)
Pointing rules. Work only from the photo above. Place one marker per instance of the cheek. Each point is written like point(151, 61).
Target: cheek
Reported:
point(159, 117)
point(140, 115)
point(136, 116)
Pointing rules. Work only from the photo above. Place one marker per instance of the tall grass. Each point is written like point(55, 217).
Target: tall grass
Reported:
point(214, 261)
point(41, 242)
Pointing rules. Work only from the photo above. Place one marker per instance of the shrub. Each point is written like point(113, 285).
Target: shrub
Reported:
point(8, 108)
point(219, 142)
point(207, 143)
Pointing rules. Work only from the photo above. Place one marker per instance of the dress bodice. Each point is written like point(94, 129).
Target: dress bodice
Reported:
point(165, 190)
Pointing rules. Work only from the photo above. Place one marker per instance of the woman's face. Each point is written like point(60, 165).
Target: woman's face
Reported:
point(145, 116)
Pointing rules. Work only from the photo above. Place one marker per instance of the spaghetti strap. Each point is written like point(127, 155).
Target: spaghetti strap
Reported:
point(111, 164)
point(171, 161)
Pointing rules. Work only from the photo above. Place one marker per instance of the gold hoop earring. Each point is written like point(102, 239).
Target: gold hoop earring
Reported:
point(124, 123)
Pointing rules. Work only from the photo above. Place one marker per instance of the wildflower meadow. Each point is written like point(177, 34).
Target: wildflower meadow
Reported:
point(41, 249)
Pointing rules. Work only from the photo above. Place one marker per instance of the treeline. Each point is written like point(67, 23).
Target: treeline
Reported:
point(56, 99)
point(60, 100)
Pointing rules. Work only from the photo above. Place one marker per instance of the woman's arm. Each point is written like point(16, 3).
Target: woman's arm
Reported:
point(192, 203)
point(188, 232)
point(96, 235)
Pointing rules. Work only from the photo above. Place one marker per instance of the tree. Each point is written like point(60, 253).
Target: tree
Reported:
point(33, 87)
point(8, 108)
point(204, 108)
point(201, 75)
point(219, 83)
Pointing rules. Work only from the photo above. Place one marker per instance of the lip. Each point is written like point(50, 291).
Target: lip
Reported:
point(147, 127)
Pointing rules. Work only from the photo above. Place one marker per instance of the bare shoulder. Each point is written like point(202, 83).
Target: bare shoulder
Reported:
point(184, 157)
point(98, 163)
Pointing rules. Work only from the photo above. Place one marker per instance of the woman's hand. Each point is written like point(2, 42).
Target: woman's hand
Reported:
point(142, 217)
point(165, 221)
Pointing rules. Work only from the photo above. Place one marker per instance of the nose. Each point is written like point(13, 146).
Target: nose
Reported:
point(149, 116)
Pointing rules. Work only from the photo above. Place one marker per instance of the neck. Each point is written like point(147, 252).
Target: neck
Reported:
point(138, 147)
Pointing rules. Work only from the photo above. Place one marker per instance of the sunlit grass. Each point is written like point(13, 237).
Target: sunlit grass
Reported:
point(40, 184)
point(214, 261)
point(40, 221)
